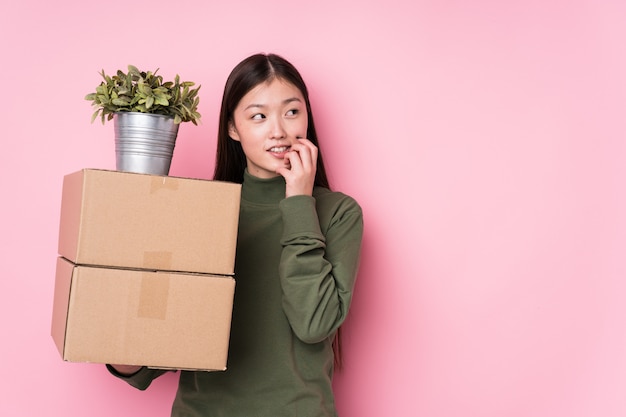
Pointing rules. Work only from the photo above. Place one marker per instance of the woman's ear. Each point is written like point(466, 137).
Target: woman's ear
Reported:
point(232, 131)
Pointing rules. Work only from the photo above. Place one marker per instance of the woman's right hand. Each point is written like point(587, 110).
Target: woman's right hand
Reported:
point(300, 168)
point(126, 370)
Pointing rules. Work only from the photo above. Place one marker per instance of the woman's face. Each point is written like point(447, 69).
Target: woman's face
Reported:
point(267, 121)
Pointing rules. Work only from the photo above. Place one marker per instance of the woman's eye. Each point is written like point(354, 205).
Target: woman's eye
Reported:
point(258, 116)
point(293, 112)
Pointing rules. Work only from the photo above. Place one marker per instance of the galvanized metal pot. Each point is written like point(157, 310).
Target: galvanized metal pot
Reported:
point(144, 143)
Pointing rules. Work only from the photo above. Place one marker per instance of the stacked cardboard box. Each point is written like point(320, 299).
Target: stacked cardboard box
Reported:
point(145, 272)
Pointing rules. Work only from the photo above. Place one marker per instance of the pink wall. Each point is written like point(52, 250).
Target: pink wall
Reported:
point(485, 141)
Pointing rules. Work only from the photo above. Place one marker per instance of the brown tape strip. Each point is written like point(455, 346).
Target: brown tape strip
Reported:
point(163, 183)
point(159, 260)
point(153, 296)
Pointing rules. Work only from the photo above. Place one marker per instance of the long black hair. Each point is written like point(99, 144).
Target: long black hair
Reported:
point(230, 160)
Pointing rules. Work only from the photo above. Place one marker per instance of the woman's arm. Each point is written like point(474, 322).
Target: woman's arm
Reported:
point(139, 377)
point(126, 370)
point(319, 262)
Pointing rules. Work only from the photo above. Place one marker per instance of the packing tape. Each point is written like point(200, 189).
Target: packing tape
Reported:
point(160, 260)
point(153, 296)
point(163, 183)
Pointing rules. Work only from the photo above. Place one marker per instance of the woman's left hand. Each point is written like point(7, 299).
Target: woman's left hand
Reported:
point(300, 168)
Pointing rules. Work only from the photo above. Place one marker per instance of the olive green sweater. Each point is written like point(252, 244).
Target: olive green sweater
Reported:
point(296, 265)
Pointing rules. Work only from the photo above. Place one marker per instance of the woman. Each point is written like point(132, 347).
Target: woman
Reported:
point(297, 256)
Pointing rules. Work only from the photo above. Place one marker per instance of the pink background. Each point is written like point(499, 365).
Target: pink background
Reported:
point(485, 141)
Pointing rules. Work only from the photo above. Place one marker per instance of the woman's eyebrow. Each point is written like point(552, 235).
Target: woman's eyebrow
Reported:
point(286, 101)
point(290, 100)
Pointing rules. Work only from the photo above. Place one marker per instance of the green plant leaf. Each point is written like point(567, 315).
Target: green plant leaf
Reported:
point(144, 92)
point(132, 70)
point(161, 100)
point(120, 102)
point(144, 89)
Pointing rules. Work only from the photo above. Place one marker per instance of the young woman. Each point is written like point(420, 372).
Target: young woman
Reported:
point(297, 256)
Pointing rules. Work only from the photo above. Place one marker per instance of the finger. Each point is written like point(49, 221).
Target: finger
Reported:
point(301, 153)
point(307, 153)
point(294, 160)
point(285, 169)
point(313, 151)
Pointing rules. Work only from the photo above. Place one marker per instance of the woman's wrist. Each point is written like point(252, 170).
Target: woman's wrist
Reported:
point(126, 370)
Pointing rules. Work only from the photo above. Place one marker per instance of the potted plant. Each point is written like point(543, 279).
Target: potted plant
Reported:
point(146, 112)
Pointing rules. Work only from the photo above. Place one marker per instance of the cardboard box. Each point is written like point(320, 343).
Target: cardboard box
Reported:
point(135, 317)
point(128, 220)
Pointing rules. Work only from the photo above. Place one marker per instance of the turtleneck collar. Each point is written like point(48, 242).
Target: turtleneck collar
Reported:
point(262, 190)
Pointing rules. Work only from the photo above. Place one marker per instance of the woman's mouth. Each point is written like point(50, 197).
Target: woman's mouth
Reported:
point(279, 149)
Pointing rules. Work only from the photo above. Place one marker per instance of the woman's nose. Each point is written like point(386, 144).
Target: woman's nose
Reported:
point(277, 130)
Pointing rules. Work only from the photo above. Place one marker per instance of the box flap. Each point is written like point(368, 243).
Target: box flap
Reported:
point(70, 218)
point(61, 302)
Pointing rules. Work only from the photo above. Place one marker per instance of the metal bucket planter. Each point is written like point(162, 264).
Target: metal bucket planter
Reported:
point(144, 143)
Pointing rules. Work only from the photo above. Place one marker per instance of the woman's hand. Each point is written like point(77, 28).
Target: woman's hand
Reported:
point(300, 168)
point(126, 370)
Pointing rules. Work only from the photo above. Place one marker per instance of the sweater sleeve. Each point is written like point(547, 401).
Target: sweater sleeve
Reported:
point(319, 263)
point(140, 379)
